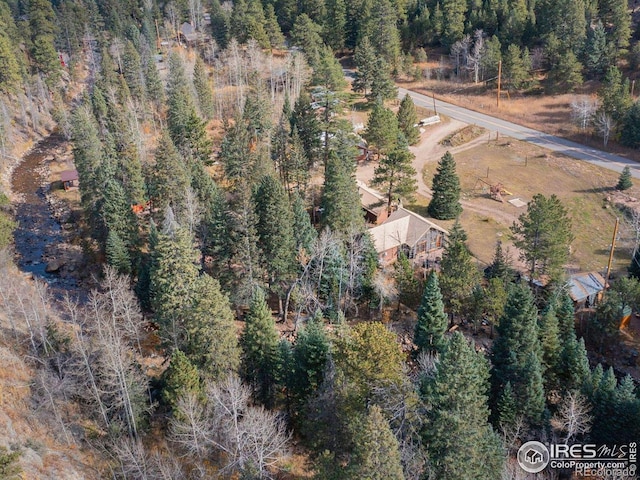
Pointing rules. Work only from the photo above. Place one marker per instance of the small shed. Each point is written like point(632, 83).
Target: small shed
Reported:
point(374, 205)
point(69, 179)
point(586, 289)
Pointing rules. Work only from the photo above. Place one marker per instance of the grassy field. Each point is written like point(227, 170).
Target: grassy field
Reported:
point(525, 170)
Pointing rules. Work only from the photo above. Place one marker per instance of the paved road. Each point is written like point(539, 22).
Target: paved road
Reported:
point(556, 144)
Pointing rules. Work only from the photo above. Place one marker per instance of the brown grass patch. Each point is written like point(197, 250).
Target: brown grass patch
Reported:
point(462, 136)
point(525, 170)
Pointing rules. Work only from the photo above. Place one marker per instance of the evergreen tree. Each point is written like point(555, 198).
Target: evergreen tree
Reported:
point(340, 198)
point(305, 122)
point(376, 451)
point(335, 24)
point(306, 35)
point(211, 342)
point(549, 336)
point(310, 355)
point(408, 285)
point(543, 235)
point(395, 173)
point(459, 273)
point(597, 56)
point(117, 214)
point(260, 349)
point(257, 113)
point(366, 62)
point(500, 266)
point(515, 354)
point(9, 67)
point(624, 181)
point(304, 233)
point(180, 379)
point(382, 29)
point(168, 180)
point(445, 202)
point(174, 274)
point(453, 16)
point(327, 71)
point(382, 129)
point(432, 321)
point(153, 84)
point(458, 437)
point(203, 89)
point(515, 71)
point(42, 25)
point(615, 14)
point(630, 131)
point(507, 407)
point(271, 27)
point(117, 253)
point(132, 71)
point(275, 230)
point(565, 75)
point(614, 94)
point(407, 120)
point(382, 85)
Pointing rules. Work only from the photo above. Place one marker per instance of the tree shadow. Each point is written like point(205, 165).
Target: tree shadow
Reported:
point(596, 190)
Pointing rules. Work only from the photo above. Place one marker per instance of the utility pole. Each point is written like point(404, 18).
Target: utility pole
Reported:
point(613, 246)
point(499, 79)
point(433, 96)
point(158, 43)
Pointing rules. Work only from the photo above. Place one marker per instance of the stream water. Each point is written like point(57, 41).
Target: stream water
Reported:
point(39, 234)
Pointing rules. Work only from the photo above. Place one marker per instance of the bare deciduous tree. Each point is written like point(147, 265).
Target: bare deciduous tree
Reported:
point(572, 417)
point(604, 125)
point(582, 110)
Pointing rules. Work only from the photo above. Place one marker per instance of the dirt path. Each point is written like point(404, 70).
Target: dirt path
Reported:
point(429, 150)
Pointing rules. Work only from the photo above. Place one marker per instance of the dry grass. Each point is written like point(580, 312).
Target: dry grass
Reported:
point(462, 136)
point(547, 113)
point(525, 170)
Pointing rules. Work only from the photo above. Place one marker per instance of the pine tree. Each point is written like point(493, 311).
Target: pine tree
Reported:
point(624, 181)
point(117, 253)
point(180, 379)
point(459, 273)
point(9, 68)
point(168, 180)
point(211, 342)
point(565, 75)
point(515, 71)
point(549, 335)
point(453, 16)
point(310, 355)
point(382, 29)
point(174, 274)
point(271, 27)
point(275, 229)
point(407, 120)
point(630, 131)
point(543, 235)
point(153, 84)
point(366, 62)
point(615, 14)
point(303, 231)
point(117, 214)
point(305, 122)
point(306, 35)
point(335, 24)
point(597, 56)
point(382, 129)
point(340, 199)
point(409, 293)
point(376, 451)
point(445, 202)
point(499, 267)
point(395, 173)
point(132, 71)
point(260, 349)
point(382, 85)
point(515, 354)
point(42, 24)
point(327, 71)
point(507, 408)
point(203, 89)
point(614, 94)
point(459, 440)
point(432, 321)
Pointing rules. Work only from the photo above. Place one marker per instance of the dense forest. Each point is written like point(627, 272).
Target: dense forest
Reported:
point(238, 325)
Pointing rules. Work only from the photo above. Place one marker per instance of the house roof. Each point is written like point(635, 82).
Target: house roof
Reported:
point(68, 175)
point(371, 200)
point(584, 285)
point(402, 227)
point(188, 31)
